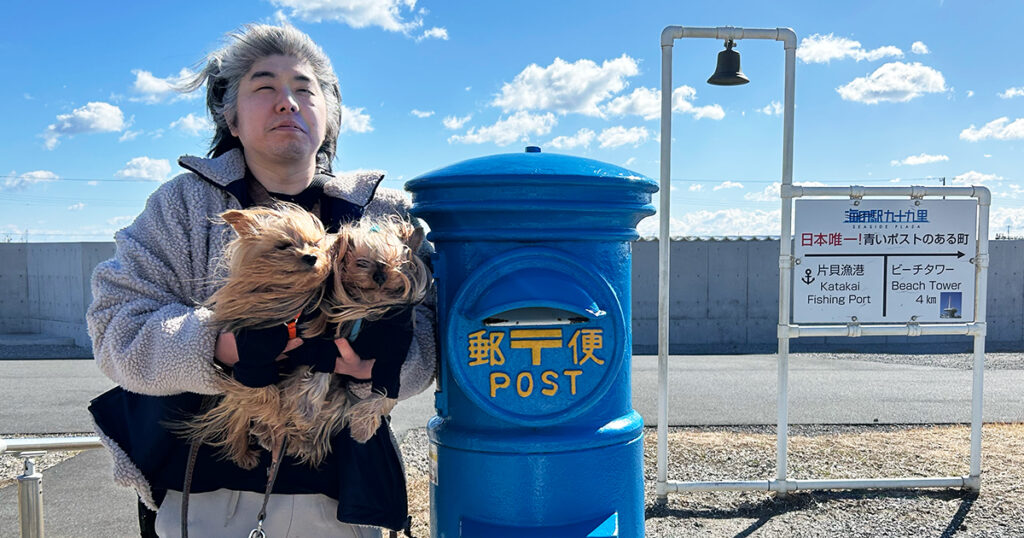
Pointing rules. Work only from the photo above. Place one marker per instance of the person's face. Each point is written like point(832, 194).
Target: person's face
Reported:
point(281, 114)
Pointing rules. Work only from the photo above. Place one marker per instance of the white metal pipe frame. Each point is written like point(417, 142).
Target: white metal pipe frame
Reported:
point(30, 482)
point(788, 330)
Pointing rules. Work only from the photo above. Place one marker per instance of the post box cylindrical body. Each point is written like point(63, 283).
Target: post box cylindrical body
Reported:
point(535, 434)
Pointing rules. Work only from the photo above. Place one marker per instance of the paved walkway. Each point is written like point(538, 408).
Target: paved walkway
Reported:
point(81, 500)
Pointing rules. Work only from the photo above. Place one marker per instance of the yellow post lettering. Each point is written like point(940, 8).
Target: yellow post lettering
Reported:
point(495, 384)
point(523, 393)
point(535, 340)
point(572, 379)
point(549, 378)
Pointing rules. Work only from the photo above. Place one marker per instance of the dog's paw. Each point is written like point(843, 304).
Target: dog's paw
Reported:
point(363, 428)
point(247, 460)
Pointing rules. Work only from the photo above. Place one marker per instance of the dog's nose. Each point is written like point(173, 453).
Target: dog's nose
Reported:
point(379, 277)
point(309, 258)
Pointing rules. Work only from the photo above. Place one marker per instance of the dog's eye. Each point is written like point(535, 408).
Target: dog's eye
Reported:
point(363, 264)
point(282, 246)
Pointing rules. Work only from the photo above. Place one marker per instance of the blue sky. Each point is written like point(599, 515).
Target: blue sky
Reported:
point(887, 93)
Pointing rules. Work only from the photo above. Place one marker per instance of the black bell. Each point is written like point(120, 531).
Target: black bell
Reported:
point(728, 71)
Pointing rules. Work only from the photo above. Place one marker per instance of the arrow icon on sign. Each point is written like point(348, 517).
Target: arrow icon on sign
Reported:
point(958, 254)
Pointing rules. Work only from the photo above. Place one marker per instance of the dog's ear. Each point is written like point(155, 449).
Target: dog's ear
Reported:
point(241, 221)
point(339, 245)
point(415, 240)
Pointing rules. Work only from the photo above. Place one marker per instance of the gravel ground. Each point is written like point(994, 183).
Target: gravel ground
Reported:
point(819, 451)
point(958, 361)
point(12, 466)
point(742, 453)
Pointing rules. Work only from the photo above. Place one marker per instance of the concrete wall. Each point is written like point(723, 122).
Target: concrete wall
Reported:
point(44, 287)
point(724, 297)
point(14, 288)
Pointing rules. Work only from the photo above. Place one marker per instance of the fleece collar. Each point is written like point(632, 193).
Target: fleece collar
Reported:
point(356, 187)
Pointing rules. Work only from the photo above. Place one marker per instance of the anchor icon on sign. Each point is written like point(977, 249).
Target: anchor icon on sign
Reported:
point(807, 277)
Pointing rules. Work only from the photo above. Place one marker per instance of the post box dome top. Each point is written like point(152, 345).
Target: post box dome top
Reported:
point(532, 165)
point(532, 196)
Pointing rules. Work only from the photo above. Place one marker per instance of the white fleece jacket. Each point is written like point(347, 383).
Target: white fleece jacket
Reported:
point(149, 333)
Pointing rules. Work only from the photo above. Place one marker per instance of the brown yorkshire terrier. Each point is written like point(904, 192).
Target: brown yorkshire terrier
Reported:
point(375, 269)
point(278, 269)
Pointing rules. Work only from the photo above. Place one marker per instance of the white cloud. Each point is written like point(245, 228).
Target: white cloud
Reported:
point(895, 82)
point(153, 89)
point(643, 102)
point(18, 182)
point(923, 158)
point(1014, 192)
point(583, 137)
point(120, 221)
point(819, 48)
point(975, 178)
point(517, 127)
point(998, 129)
point(970, 93)
point(453, 123)
point(1003, 217)
point(421, 113)
point(772, 193)
point(773, 108)
point(681, 102)
point(95, 117)
point(146, 168)
point(434, 33)
point(129, 135)
point(76, 207)
point(565, 87)
point(389, 15)
point(987, 155)
point(614, 137)
point(646, 103)
point(696, 187)
point(727, 185)
point(630, 161)
point(1012, 92)
point(919, 48)
point(354, 120)
point(716, 223)
point(193, 125)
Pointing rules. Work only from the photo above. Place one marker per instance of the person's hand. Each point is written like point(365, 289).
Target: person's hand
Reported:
point(387, 340)
point(257, 352)
point(350, 363)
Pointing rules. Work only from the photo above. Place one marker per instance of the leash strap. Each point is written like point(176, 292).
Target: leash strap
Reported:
point(193, 451)
point(275, 466)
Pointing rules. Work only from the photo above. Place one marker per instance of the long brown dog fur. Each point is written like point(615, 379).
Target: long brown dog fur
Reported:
point(266, 285)
point(270, 280)
point(375, 269)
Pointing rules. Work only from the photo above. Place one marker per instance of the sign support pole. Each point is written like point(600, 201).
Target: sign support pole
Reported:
point(668, 37)
point(786, 330)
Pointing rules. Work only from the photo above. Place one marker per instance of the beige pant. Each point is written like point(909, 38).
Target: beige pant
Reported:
point(229, 514)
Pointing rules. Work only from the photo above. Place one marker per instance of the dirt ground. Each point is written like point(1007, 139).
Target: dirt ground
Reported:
point(737, 453)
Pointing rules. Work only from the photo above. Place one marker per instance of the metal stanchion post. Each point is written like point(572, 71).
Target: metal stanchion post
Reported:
point(30, 497)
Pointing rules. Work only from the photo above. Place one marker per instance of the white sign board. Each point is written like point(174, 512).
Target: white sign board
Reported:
point(892, 261)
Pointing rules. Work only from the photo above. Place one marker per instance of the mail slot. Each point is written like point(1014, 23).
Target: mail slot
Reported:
point(535, 434)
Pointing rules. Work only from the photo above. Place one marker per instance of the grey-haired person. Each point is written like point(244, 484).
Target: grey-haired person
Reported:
point(274, 99)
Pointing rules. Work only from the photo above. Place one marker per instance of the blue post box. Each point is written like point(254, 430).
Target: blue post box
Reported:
point(535, 434)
